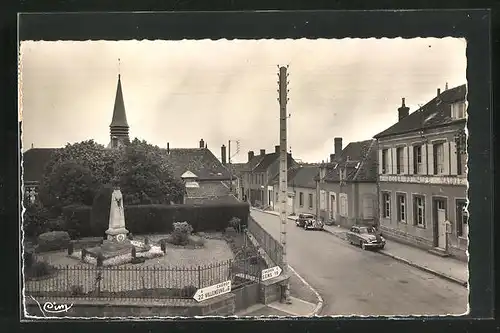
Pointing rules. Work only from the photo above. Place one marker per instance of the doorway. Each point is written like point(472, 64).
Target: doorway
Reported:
point(439, 223)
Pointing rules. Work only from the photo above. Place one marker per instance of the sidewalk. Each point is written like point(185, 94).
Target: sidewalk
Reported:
point(448, 268)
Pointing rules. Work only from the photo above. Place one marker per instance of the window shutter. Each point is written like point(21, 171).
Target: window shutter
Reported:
point(430, 159)
point(405, 160)
point(346, 212)
point(410, 167)
point(424, 158)
point(446, 155)
point(368, 207)
point(394, 162)
point(380, 162)
point(453, 159)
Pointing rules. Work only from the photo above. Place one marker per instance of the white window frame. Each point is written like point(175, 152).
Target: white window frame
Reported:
point(416, 163)
point(386, 205)
point(438, 152)
point(419, 206)
point(401, 211)
point(458, 110)
point(385, 161)
point(400, 160)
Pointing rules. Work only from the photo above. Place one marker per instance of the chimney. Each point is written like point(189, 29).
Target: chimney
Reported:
point(446, 86)
point(277, 149)
point(202, 143)
point(262, 152)
point(338, 147)
point(168, 147)
point(439, 92)
point(403, 111)
point(250, 155)
point(223, 154)
point(32, 146)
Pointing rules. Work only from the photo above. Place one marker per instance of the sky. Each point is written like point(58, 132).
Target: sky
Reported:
point(179, 92)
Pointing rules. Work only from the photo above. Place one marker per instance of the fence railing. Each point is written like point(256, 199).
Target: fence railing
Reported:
point(270, 245)
point(141, 282)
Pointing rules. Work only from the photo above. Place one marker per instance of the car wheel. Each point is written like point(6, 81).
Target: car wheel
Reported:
point(363, 246)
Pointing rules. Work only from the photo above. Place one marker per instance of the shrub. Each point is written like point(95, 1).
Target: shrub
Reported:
point(197, 241)
point(99, 217)
point(77, 221)
point(188, 291)
point(150, 219)
point(76, 290)
point(53, 240)
point(28, 258)
point(235, 223)
point(71, 248)
point(35, 219)
point(180, 235)
point(39, 269)
point(137, 260)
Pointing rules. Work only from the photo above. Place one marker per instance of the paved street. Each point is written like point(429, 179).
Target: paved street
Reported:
point(353, 281)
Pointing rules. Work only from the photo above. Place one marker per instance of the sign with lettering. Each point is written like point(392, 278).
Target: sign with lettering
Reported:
point(271, 273)
point(441, 180)
point(212, 291)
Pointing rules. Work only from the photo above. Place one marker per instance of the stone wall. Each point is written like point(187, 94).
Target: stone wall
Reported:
point(270, 290)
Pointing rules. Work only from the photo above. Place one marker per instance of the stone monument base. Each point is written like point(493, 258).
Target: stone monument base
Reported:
point(110, 249)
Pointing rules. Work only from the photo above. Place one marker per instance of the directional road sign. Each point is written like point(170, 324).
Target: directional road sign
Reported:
point(271, 273)
point(212, 291)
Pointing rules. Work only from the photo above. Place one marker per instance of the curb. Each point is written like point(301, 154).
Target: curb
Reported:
point(319, 305)
point(425, 269)
point(412, 264)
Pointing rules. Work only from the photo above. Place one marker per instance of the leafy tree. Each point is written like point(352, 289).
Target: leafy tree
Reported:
point(145, 177)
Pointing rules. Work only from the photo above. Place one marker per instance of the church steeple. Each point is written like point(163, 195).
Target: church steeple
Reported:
point(119, 126)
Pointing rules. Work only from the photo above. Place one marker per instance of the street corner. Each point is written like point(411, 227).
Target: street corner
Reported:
point(302, 292)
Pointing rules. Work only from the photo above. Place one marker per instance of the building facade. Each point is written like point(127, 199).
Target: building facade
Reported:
point(347, 185)
point(257, 176)
point(422, 175)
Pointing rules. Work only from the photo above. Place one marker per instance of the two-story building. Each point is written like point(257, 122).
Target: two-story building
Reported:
point(422, 175)
point(301, 190)
point(346, 187)
point(257, 175)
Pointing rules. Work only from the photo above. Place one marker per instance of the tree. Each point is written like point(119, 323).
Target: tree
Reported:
point(145, 177)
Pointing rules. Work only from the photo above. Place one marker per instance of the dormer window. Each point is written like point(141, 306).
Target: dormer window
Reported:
point(458, 110)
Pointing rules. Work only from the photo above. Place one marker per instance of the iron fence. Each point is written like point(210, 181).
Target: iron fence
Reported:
point(270, 245)
point(141, 282)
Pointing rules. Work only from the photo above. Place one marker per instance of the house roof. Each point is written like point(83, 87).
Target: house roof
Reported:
point(209, 192)
point(358, 159)
point(34, 162)
point(300, 176)
point(433, 114)
point(200, 161)
point(269, 159)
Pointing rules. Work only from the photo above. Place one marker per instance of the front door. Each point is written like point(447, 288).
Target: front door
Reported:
point(333, 207)
point(441, 219)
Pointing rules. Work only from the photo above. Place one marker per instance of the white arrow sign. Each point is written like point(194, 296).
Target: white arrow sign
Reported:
point(212, 291)
point(270, 273)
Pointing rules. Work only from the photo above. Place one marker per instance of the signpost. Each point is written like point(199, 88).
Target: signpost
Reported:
point(212, 291)
point(271, 273)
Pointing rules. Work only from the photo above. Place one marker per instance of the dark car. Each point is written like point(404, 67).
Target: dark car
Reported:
point(301, 220)
point(366, 237)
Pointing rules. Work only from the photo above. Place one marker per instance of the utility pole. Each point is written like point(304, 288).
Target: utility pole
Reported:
point(283, 182)
point(230, 168)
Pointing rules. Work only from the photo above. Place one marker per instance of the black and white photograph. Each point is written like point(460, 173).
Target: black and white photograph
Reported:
point(248, 178)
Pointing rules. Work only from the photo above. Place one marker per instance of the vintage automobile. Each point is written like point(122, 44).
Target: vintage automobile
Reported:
point(366, 237)
point(309, 222)
point(301, 219)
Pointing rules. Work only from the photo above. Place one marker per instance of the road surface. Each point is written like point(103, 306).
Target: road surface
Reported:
point(356, 282)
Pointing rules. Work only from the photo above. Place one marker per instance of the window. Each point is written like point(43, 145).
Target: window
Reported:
point(461, 162)
point(419, 210)
point(301, 199)
point(368, 207)
point(458, 110)
point(310, 200)
point(462, 218)
point(399, 160)
point(343, 205)
point(401, 202)
point(277, 197)
point(385, 160)
point(438, 151)
point(418, 166)
point(386, 205)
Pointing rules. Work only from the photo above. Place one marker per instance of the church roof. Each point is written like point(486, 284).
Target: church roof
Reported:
point(119, 116)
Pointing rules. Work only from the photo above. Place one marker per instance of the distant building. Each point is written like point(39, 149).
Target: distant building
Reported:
point(257, 175)
point(206, 179)
point(347, 185)
point(301, 195)
point(422, 175)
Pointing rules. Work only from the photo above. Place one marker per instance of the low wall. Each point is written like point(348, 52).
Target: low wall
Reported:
point(223, 305)
point(270, 290)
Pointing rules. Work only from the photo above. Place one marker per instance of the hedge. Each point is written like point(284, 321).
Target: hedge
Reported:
point(144, 219)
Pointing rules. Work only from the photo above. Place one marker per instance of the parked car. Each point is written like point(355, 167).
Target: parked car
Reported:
point(301, 220)
point(313, 224)
point(366, 237)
